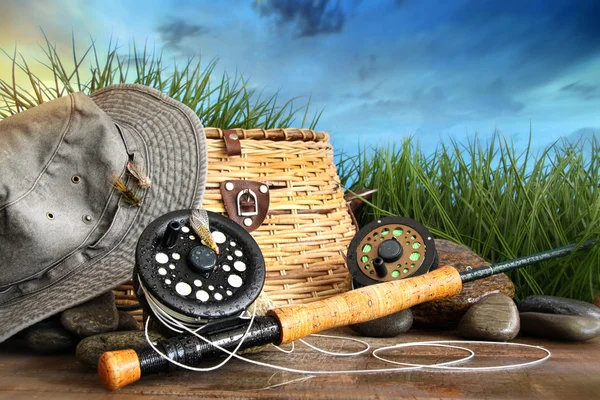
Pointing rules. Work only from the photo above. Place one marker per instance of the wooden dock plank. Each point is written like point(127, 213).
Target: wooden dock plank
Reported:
point(572, 372)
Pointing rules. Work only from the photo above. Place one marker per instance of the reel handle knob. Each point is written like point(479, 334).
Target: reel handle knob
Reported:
point(119, 368)
point(170, 237)
point(380, 267)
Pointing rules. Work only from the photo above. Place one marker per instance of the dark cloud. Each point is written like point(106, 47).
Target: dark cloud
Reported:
point(537, 41)
point(307, 17)
point(176, 30)
point(540, 38)
point(369, 69)
point(441, 108)
point(496, 99)
point(476, 103)
point(368, 94)
point(583, 90)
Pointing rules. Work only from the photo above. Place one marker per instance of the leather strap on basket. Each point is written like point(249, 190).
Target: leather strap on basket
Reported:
point(246, 202)
point(232, 143)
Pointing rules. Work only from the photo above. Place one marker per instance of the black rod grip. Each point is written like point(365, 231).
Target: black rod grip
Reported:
point(192, 351)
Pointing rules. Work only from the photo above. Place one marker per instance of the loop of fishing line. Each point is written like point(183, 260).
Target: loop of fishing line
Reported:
point(187, 296)
point(438, 342)
point(172, 321)
point(448, 365)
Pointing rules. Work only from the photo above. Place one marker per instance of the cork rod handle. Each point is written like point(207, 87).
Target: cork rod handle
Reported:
point(119, 368)
point(365, 304)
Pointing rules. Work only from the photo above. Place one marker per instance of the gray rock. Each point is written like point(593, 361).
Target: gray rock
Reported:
point(127, 322)
point(494, 317)
point(557, 326)
point(47, 338)
point(96, 316)
point(91, 348)
point(559, 305)
point(389, 326)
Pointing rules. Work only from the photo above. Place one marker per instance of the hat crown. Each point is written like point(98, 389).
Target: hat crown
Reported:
point(66, 235)
point(55, 168)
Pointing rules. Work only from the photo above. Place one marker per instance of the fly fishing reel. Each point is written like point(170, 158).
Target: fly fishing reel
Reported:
point(178, 275)
point(390, 248)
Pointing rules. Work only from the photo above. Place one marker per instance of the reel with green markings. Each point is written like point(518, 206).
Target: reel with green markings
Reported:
point(389, 249)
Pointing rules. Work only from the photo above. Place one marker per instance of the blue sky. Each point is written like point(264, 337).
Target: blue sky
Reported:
point(381, 70)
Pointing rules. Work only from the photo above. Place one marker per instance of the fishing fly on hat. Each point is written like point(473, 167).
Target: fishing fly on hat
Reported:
point(67, 228)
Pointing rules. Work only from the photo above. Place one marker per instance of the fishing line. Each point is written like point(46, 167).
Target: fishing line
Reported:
point(194, 332)
point(188, 295)
point(331, 353)
point(407, 366)
point(286, 369)
point(436, 342)
point(290, 351)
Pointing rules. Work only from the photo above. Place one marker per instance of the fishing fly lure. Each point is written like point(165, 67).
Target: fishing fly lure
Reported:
point(128, 194)
point(138, 172)
point(199, 223)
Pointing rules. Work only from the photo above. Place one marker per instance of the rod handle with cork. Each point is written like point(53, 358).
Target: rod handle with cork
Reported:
point(365, 304)
point(286, 324)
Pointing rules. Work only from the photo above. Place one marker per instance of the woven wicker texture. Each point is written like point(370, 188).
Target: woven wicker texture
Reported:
point(308, 227)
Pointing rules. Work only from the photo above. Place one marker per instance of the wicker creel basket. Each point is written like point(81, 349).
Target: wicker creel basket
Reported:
point(307, 228)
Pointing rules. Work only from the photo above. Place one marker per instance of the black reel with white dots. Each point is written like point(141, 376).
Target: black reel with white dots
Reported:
point(177, 275)
point(389, 249)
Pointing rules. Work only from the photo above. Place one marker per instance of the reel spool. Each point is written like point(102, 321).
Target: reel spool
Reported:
point(391, 248)
point(182, 277)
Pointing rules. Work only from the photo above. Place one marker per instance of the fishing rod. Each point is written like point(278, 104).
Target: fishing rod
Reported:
point(285, 324)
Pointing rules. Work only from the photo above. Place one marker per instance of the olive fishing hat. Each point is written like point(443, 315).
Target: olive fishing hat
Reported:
point(67, 233)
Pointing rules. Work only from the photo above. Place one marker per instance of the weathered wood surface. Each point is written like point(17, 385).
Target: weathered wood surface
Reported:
point(573, 372)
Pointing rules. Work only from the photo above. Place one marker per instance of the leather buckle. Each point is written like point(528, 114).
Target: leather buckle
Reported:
point(251, 201)
point(246, 202)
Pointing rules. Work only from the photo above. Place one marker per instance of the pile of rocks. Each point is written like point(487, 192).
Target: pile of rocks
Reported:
point(63, 331)
point(94, 327)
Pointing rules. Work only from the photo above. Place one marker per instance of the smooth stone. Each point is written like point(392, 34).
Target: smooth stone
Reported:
point(447, 313)
point(557, 326)
point(127, 322)
point(389, 326)
point(494, 317)
point(559, 305)
point(47, 338)
point(91, 348)
point(96, 316)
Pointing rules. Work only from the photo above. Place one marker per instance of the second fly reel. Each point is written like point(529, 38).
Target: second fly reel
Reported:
point(391, 248)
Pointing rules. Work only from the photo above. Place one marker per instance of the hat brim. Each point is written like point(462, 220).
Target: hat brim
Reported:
point(171, 140)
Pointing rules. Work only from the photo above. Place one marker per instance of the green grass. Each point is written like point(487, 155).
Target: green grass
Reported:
point(500, 203)
point(221, 101)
